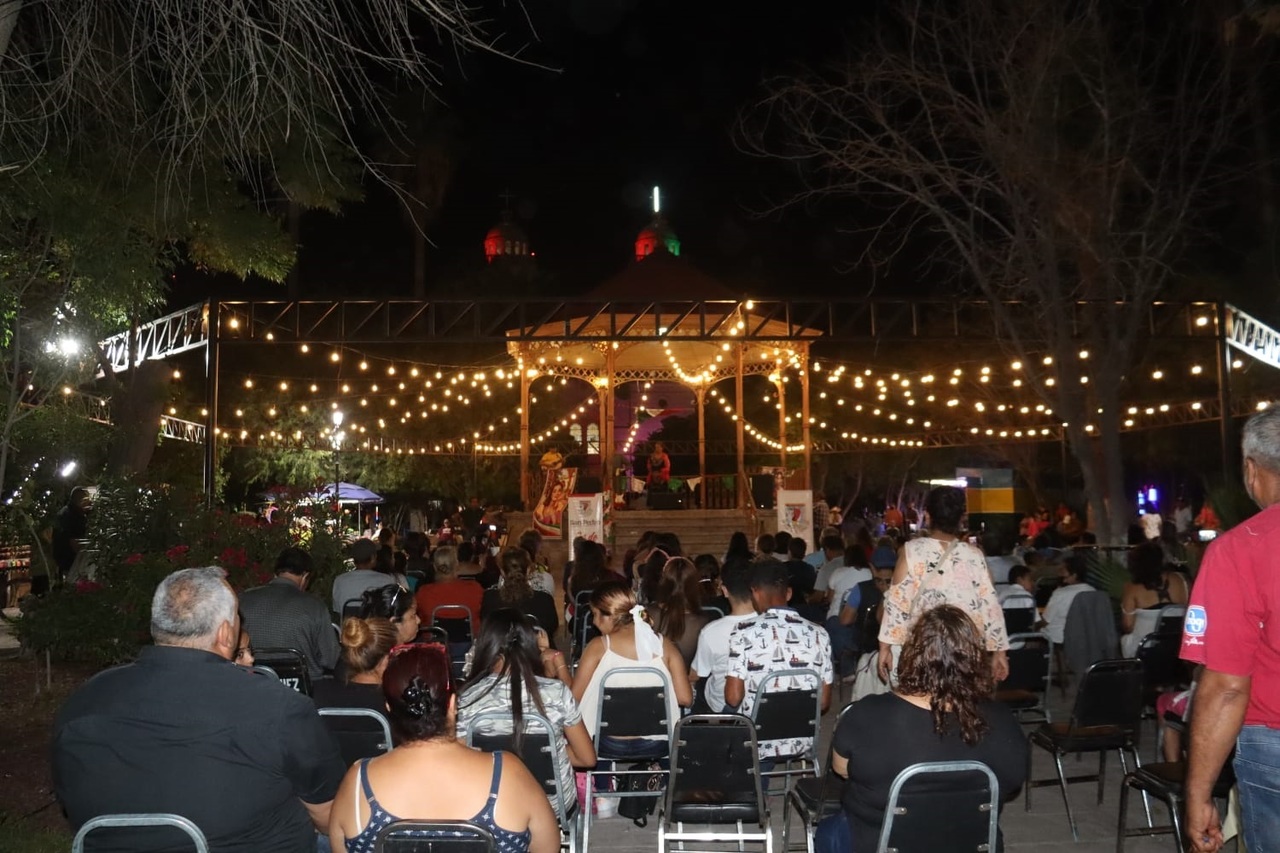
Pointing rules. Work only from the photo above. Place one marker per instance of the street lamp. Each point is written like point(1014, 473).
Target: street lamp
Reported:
point(335, 438)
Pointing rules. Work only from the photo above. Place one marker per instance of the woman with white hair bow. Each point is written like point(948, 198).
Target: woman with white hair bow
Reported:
point(626, 640)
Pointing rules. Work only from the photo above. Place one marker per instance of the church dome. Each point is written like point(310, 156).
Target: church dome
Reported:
point(506, 239)
point(654, 236)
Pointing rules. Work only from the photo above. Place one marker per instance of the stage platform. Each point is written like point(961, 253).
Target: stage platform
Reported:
point(701, 531)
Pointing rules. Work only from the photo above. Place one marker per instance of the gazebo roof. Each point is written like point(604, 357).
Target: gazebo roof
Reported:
point(661, 276)
point(642, 287)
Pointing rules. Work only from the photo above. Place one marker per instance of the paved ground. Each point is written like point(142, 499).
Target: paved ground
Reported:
point(1044, 829)
point(8, 644)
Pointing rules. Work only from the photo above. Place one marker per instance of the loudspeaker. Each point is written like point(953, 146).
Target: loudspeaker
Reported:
point(666, 500)
point(762, 490)
point(588, 486)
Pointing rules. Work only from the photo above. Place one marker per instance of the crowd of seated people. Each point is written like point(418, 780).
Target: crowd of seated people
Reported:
point(877, 612)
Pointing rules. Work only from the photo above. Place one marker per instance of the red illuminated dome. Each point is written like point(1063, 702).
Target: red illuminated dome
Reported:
point(656, 235)
point(506, 239)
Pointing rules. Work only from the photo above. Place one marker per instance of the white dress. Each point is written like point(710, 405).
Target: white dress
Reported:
point(611, 660)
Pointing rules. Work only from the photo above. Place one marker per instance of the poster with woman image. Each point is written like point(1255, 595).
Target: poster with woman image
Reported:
point(795, 514)
point(548, 513)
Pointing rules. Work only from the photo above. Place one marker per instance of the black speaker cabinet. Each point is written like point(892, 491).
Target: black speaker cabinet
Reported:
point(666, 500)
point(762, 490)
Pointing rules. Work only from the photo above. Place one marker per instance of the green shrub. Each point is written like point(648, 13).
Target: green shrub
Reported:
point(140, 533)
point(19, 836)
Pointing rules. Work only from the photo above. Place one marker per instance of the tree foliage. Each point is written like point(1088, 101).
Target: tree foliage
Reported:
point(1057, 155)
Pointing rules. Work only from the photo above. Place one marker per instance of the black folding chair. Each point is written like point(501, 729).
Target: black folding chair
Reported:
point(1030, 673)
point(1019, 620)
point(360, 732)
point(635, 708)
point(583, 628)
point(434, 836)
point(942, 805)
point(715, 781)
point(1107, 715)
point(351, 607)
point(288, 665)
point(712, 612)
point(494, 730)
point(134, 821)
point(455, 619)
point(1162, 667)
point(1166, 781)
point(1170, 618)
point(814, 798)
point(788, 706)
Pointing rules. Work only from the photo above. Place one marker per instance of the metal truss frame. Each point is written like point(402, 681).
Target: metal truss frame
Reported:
point(169, 335)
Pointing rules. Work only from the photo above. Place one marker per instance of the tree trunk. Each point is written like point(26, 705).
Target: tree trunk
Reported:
point(135, 411)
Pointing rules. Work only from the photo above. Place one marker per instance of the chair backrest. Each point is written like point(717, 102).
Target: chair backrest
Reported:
point(584, 625)
point(455, 619)
point(360, 732)
point(537, 750)
point(1161, 666)
point(788, 704)
point(434, 836)
point(715, 763)
point(712, 612)
point(289, 665)
point(942, 805)
point(1110, 694)
point(1170, 618)
point(1029, 659)
point(133, 821)
point(351, 607)
point(634, 710)
point(1019, 620)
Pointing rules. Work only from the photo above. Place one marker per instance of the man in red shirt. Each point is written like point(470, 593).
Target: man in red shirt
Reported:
point(1228, 629)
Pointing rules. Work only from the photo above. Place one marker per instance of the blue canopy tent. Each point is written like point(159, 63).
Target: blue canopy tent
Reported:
point(347, 493)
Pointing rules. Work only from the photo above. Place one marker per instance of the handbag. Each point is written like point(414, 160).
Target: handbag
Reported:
point(639, 808)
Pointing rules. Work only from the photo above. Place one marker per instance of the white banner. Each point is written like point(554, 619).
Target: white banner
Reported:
point(1252, 336)
point(586, 518)
point(795, 515)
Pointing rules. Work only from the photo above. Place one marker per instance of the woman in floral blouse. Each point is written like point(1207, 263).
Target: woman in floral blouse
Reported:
point(941, 569)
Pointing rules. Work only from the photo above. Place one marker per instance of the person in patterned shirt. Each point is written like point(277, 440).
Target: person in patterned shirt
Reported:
point(776, 638)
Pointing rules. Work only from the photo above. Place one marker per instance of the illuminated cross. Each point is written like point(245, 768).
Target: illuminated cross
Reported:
point(657, 201)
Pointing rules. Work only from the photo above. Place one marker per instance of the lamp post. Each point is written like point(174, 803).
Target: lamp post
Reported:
point(335, 438)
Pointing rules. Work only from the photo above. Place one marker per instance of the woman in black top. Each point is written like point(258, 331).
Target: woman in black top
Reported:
point(940, 711)
point(516, 592)
point(366, 646)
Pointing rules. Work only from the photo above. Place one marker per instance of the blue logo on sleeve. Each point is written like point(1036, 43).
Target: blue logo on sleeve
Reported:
point(1196, 621)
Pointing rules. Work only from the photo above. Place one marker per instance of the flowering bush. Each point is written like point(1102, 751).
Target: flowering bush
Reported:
point(141, 533)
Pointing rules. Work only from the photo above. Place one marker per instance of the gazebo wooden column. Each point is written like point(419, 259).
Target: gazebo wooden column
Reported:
point(700, 395)
point(744, 490)
point(804, 419)
point(524, 434)
point(608, 404)
point(782, 422)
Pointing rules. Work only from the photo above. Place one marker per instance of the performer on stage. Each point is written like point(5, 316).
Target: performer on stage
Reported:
point(659, 475)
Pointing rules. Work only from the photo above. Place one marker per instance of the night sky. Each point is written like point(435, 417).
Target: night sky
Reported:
point(646, 94)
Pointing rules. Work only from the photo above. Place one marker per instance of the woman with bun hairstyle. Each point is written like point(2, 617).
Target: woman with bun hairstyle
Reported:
point(366, 643)
point(518, 593)
point(515, 671)
point(495, 790)
point(395, 603)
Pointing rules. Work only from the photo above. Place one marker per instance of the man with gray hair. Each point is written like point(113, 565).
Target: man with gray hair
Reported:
point(183, 730)
point(1228, 628)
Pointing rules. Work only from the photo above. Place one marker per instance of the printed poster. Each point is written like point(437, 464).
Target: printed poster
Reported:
point(548, 512)
point(795, 515)
point(586, 518)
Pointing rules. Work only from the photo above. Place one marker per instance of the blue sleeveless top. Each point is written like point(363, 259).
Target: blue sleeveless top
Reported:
point(507, 841)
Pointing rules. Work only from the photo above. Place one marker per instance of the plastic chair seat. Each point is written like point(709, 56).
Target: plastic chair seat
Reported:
point(1166, 779)
point(711, 807)
point(1062, 737)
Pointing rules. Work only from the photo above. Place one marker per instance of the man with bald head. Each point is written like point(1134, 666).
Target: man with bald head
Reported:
point(183, 730)
point(1230, 630)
